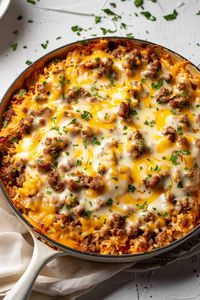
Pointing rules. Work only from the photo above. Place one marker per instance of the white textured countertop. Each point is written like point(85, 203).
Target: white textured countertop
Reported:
point(26, 26)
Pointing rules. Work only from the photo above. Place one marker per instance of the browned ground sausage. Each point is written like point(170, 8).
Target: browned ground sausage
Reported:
point(171, 133)
point(124, 110)
point(54, 146)
point(152, 181)
point(55, 181)
point(25, 124)
point(183, 141)
point(163, 96)
point(44, 166)
point(179, 102)
point(117, 221)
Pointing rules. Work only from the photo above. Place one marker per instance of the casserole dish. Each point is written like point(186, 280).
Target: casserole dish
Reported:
point(160, 85)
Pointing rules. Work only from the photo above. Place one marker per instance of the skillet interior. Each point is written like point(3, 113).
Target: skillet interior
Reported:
point(23, 81)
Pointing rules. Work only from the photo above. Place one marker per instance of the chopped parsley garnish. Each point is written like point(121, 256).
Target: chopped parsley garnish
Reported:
point(15, 32)
point(97, 19)
point(95, 141)
point(14, 46)
point(45, 45)
point(78, 162)
point(174, 157)
point(133, 111)
point(149, 123)
point(123, 26)
point(86, 115)
point(198, 13)
point(28, 62)
point(143, 206)
point(196, 166)
point(148, 15)
point(158, 85)
point(73, 121)
point(171, 16)
point(21, 93)
point(157, 169)
point(138, 3)
point(180, 130)
point(5, 123)
point(180, 185)
point(62, 80)
point(109, 201)
point(113, 4)
point(31, 1)
point(59, 37)
point(105, 31)
point(129, 35)
point(110, 12)
point(77, 29)
point(131, 188)
point(15, 140)
point(86, 213)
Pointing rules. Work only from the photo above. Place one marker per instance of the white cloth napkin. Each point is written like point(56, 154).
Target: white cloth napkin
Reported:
point(63, 276)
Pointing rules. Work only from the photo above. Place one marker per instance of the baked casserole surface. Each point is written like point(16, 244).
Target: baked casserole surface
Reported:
point(101, 151)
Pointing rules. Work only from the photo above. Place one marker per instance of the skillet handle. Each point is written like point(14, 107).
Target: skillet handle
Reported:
point(42, 254)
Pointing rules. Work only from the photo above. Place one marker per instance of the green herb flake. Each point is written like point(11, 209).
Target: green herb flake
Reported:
point(14, 46)
point(86, 213)
point(148, 16)
point(109, 201)
point(133, 111)
point(129, 35)
point(180, 185)
point(45, 45)
point(97, 19)
point(86, 115)
point(131, 188)
point(157, 169)
point(31, 1)
point(110, 12)
point(198, 13)
point(171, 16)
point(149, 123)
point(73, 121)
point(4, 125)
point(77, 29)
point(180, 130)
point(104, 30)
point(113, 4)
point(28, 62)
point(95, 141)
point(123, 26)
point(15, 140)
point(158, 85)
point(138, 3)
point(174, 157)
point(78, 162)
point(21, 93)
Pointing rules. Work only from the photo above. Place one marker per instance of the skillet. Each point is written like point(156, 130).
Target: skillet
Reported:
point(45, 248)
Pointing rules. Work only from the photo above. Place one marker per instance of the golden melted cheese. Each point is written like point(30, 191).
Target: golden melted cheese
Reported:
point(78, 100)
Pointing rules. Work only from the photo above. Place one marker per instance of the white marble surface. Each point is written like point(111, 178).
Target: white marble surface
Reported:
point(180, 280)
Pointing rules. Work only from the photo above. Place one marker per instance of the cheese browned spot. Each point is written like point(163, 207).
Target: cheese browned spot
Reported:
point(102, 153)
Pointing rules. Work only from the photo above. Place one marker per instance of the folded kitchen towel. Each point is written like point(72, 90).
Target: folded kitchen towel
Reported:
point(63, 276)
